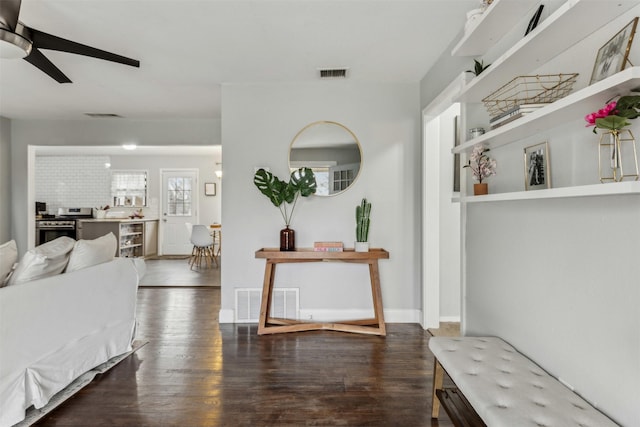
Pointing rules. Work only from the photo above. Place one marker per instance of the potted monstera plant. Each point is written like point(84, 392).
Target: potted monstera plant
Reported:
point(284, 196)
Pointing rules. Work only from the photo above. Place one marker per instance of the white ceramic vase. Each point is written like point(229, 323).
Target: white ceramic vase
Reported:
point(361, 246)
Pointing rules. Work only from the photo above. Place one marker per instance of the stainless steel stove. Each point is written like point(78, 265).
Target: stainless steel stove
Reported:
point(63, 224)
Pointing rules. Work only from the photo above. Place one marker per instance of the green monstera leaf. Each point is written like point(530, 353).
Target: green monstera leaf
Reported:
point(270, 186)
point(302, 182)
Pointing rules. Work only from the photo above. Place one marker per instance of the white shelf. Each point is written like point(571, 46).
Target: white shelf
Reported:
point(133, 245)
point(569, 24)
point(491, 26)
point(608, 189)
point(565, 110)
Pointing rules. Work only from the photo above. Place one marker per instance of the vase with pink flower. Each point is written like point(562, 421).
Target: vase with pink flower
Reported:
point(617, 146)
point(482, 167)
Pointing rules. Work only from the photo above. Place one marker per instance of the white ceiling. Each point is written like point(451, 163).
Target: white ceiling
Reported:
point(189, 48)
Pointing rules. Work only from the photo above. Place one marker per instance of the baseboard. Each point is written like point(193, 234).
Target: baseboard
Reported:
point(390, 316)
point(450, 319)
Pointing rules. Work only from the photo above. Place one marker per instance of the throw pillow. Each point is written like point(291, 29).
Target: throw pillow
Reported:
point(86, 253)
point(8, 257)
point(45, 260)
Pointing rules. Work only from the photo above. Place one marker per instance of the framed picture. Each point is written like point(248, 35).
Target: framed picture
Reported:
point(209, 188)
point(537, 174)
point(613, 56)
point(533, 23)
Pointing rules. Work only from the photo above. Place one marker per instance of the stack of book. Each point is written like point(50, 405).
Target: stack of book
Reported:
point(514, 113)
point(328, 247)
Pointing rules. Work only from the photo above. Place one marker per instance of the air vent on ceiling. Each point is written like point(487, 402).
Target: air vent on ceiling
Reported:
point(102, 115)
point(332, 73)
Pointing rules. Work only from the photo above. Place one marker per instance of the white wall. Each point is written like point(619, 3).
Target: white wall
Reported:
point(258, 124)
point(558, 278)
point(90, 132)
point(5, 179)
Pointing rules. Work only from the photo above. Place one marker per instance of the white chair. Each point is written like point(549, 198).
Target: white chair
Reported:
point(202, 246)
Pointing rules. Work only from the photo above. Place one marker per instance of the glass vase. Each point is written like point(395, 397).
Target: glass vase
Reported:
point(287, 239)
point(617, 153)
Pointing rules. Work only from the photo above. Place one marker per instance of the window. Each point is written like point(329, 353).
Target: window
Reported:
point(129, 188)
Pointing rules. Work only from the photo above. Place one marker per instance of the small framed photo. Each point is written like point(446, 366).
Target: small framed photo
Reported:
point(537, 174)
point(209, 188)
point(614, 55)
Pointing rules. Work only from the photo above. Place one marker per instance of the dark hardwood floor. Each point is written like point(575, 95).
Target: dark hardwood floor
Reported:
point(195, 372)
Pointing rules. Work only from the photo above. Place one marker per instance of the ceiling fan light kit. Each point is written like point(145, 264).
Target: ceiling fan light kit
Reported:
point(19, 41)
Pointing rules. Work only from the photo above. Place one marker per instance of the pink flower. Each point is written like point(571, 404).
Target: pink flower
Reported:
point(608, 109)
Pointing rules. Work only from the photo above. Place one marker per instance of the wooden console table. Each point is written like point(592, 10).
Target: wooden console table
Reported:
point(271, 325)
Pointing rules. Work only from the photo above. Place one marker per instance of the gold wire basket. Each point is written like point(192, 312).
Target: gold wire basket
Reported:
point(540, 89)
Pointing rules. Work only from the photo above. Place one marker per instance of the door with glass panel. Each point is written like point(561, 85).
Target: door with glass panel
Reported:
point(179, 206)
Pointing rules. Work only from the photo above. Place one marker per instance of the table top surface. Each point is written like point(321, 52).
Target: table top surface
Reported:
point(309, 253)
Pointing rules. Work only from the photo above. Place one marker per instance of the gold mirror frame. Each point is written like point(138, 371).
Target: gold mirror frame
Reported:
point(332, 151)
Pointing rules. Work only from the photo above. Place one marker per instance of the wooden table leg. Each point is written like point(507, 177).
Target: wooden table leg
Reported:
point(377, 296)
point(267, 290)
point(438, 378)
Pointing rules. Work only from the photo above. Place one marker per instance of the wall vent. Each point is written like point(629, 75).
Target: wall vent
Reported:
point(285, 303)
point(102, 115)
point(333, 73)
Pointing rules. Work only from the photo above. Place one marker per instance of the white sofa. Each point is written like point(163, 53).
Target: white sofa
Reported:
point(54, 329)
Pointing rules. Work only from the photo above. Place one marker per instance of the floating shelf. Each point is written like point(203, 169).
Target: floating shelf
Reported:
point(567, 109)
point(569, 24)
point(609, 189)
point(490, 28)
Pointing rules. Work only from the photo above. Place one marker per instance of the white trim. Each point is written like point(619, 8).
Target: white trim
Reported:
point(450, 319)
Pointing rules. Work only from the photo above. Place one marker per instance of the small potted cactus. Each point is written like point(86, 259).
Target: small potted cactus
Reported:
point(362, 226)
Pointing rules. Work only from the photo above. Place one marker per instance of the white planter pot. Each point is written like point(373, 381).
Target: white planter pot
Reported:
point(362, 246)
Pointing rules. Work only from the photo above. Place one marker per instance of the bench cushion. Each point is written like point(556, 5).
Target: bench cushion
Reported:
point(507, 389)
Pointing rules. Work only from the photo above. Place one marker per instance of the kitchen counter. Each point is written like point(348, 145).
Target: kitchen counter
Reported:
point(137, 237)
point(117, 219)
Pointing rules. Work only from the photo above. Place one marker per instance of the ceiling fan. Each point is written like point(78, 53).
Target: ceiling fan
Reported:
point(19, 41)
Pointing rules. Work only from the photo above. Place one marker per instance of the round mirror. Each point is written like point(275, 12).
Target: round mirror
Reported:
point(332, 151)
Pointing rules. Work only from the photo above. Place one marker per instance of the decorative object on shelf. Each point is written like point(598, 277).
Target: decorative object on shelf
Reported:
point(478, 67)
point(363, 212)
point(476, 132)
point(533, 23)
point(328, 246)
point(614, 55)
point(101, 212)
point(302, 182)
point(613, 143)
point(537, 174)
point(209, 188)
point(613, 118)
point(538, 89)
point(482, 167)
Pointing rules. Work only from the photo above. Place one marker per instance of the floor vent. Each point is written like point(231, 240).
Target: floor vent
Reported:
point(285, 303)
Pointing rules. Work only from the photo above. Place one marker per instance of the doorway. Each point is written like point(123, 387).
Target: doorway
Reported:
point(441, 217)
point(179, 206)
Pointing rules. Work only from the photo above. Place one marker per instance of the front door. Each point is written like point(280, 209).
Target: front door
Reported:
point(179, 207)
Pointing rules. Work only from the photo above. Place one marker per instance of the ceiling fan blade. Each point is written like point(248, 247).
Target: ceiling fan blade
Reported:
point(43, 40)
point(9, 11)
point(42, 62)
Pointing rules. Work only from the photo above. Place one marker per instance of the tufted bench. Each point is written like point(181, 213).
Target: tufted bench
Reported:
point(501, 387)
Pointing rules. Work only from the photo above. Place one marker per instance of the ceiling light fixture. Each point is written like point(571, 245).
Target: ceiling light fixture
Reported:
point(13, 46)
point(129, 146)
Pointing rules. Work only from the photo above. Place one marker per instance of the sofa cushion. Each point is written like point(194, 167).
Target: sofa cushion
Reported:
point(45, 260)
point(8, 257)
point(87, 253)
